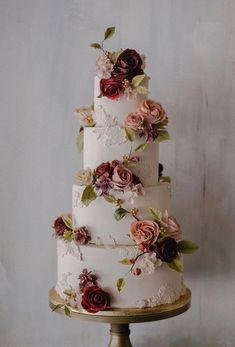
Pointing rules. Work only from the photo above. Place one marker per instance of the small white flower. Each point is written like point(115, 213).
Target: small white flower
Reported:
point(85, 115)
point(103, 66)
point(84, 177)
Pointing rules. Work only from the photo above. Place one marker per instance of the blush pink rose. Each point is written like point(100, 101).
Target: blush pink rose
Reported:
point(144, 233)
point(134, 120)
point(172, 226)
point(122, 178)
point(153, 112)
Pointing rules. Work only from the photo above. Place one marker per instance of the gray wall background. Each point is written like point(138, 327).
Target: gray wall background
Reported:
point(46, 70)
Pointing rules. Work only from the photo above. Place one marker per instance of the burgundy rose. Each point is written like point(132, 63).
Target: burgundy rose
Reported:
point(111, 88)
point(102, 168)
point(134, 120)
point(95, 299)
point(166, 249)
point(128, 65)
point(60, 226)
point(144, 233)
point(122, 177)
point(104, 184)
point(81, 235)
point(153, 112)
point(87, 279)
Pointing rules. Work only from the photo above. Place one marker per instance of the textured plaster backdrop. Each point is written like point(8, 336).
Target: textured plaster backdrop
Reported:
point(46, 70)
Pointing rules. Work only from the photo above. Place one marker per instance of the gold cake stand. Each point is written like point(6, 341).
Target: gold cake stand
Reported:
point(119, 319)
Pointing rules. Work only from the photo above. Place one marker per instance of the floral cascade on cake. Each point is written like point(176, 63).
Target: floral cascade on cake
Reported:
point(120, 227)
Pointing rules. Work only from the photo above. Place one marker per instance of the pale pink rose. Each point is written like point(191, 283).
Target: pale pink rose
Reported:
point(134, 120)
point(153, 112)
point(144, 233)
point(122, 178)
point(103, 66)
point(172, 226)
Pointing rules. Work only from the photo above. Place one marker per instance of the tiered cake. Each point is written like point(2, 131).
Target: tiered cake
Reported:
point(121, 247)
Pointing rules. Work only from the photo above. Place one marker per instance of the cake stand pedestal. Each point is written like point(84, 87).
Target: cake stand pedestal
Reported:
point(119, 319)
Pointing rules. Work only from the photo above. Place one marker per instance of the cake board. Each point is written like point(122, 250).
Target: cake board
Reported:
point(119, 319)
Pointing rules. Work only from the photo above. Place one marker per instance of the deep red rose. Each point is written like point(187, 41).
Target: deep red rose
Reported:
point(102, 169)
point(111, 88)
point(95, 299)
point(166, 249)
point(128, 65)
point(60, 226)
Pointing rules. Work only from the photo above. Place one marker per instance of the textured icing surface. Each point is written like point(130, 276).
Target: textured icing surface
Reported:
point(99, 218)
point(164, 285)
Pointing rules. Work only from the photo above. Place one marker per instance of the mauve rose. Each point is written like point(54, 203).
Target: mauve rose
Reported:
point(102, 168)
point(111, 88)
point(81, 235)
point(60, 226)
point(95, 299)
point(128, 65)
point(153, 112)
point(172, 226)
point(144, 233)
point(122, 177)
point(134, 120)
point(166, 249)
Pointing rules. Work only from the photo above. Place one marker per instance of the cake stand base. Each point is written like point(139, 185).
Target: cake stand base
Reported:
point(120, 336)
point(119, 319)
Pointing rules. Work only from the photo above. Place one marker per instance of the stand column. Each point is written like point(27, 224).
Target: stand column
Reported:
point(120, 336)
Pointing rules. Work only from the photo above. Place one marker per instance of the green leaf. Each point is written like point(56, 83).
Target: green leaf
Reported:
point(68, 235)
point(96, 45)
point(115, 55)
point(88, 195)
point(67, 311)
point(130, 134)
point(163, 135)
point(165, 179)
point(125, 261)
point(109, 198)
point(68, 222)
point(68, 292)
point(120, 213)
point(109, 32)
point(187, 247)
point(137, 80)
point(141, 147)
point(157, 214)
point(142, 90)
point(120, 284)
point(80, 140)
point(56, 307)
point(176, 264)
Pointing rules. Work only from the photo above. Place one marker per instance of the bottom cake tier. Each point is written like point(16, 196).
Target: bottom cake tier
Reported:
point(157, 284)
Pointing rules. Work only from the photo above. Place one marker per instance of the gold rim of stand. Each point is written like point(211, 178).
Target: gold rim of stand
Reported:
point(127, 315)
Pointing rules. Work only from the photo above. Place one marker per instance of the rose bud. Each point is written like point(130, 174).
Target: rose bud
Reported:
point(166, 249)
point(136, 271)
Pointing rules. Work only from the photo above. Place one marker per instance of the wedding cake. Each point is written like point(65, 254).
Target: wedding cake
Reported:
point(120, 247)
